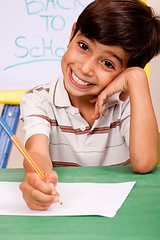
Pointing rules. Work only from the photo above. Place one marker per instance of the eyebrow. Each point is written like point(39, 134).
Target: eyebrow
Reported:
point(115, 56)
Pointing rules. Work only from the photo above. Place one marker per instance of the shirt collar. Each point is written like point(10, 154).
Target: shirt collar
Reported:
point(60, 95)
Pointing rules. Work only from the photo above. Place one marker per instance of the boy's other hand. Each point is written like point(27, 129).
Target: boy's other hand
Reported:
point(39, 195)
point(119, 84)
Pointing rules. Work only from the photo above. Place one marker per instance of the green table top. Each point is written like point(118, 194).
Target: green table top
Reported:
point(137, 219)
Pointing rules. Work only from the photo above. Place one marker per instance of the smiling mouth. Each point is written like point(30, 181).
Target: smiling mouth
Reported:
point(79, 81)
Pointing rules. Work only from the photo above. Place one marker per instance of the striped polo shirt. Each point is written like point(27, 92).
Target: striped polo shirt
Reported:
point(47, 110)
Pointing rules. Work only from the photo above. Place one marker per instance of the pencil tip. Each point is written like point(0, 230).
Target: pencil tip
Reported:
point(60, 201)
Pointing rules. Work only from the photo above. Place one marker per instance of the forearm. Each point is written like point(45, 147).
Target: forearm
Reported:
point(37, 145)
point(44, 162)
point(143, 127)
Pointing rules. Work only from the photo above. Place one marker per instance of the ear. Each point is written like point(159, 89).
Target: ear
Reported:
point(72, 32)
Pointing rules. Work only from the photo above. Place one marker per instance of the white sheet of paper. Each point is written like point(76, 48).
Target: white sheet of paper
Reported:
point(78, 199)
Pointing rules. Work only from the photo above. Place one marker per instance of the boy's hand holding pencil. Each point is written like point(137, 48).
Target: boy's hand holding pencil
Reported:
point(39, 194)
point(38, 187)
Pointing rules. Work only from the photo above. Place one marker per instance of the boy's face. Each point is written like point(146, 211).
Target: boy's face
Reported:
point(89, 66)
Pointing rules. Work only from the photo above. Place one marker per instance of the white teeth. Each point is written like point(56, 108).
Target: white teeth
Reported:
point(79, 81)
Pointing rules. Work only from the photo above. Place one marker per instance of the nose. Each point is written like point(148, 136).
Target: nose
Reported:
point(87, 66)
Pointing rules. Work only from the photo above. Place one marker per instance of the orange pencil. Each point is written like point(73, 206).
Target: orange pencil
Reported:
point(25, 153)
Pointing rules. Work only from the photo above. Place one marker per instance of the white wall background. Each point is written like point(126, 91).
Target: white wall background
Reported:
point(34, 37)
point(155, 71)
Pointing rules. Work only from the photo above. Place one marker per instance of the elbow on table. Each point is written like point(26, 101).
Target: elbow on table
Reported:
point(145, 165)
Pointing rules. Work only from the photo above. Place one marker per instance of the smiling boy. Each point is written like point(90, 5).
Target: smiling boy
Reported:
point(88, 67)
point(84, 117)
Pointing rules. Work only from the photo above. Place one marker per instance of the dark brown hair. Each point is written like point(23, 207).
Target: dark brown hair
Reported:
point(130, 24)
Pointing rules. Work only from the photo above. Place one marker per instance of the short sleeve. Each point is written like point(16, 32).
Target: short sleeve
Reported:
point(125, 120)
point(34, 115)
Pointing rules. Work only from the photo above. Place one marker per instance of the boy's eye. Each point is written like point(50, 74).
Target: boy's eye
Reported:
point(83, 46)
point(108, 64)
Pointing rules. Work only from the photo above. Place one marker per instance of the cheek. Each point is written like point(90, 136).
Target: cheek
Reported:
point(72, 54)
point(64, 63)
point(67, 58)
point(105, 79)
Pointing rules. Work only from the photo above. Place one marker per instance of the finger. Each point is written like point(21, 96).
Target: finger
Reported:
point(96, 113)
point(36, 207)
point(35, 197)
point(100, 102)
point(51, 180)
point(51, 177)
point(41, 197)
point(99, 106)
point(35, 181)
